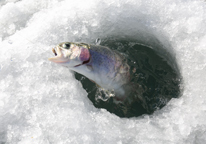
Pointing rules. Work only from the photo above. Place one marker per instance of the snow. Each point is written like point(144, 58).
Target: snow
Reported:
point(43, 103)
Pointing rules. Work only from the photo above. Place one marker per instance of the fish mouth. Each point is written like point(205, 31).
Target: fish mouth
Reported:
point(58, 56)
point(76, 57)
point(54, 51)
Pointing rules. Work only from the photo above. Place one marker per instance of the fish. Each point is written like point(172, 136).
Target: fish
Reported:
point(106, 67)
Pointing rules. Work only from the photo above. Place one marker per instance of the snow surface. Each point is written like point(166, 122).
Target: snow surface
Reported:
point(42, 103)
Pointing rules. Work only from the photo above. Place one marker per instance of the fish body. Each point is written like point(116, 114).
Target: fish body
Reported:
point(106, 67)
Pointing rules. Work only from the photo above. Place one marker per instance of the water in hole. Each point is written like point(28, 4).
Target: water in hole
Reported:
point(154, 82)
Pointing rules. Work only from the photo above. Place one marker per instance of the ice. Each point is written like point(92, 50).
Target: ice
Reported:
point(42, 103)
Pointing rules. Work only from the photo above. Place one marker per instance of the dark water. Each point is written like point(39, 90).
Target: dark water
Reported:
point(154, 81)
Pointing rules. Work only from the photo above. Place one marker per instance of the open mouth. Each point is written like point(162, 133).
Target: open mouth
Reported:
point(58, 52)
point(59, 56)
point(62, 56)
point(54, 51)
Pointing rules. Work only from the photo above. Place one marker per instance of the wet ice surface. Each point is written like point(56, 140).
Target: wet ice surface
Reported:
point(43, 103)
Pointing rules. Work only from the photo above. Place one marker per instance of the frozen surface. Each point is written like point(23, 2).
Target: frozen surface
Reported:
point(42, 103)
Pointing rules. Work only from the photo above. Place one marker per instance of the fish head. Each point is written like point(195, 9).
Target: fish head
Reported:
point(71, 54)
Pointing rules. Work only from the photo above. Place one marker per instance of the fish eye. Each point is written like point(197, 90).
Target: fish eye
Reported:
point(66, 45)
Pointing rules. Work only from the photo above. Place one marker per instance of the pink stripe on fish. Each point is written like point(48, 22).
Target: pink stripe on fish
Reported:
point(84, 55)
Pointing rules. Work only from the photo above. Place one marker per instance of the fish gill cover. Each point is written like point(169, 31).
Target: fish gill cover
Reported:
point(44, 103)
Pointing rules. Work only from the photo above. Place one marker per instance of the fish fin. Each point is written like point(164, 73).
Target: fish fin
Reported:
point(89, 67)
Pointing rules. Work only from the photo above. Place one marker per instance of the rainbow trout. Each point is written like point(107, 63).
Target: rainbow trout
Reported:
point(107, 68)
